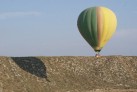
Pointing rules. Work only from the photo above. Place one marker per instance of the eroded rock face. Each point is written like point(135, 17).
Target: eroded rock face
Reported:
point(68, 74)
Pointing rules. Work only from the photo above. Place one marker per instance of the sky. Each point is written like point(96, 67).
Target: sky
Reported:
point(49, 28)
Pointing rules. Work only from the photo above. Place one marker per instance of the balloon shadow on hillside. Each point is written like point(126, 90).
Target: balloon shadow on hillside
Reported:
point(32, 65)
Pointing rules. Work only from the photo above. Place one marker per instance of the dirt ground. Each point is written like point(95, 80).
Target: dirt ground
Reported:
point(68, 74)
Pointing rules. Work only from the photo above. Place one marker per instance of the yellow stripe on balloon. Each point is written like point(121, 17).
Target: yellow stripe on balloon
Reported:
point(109, 25)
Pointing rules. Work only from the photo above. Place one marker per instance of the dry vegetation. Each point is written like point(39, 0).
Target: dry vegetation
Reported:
point(68, 74)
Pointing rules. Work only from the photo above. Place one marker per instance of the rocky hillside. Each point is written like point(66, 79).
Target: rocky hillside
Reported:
point(68, 74)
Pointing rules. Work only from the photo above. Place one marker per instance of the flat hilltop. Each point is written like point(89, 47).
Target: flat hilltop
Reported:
point(68, 74)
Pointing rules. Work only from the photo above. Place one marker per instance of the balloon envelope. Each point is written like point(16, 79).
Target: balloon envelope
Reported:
point(97, 25)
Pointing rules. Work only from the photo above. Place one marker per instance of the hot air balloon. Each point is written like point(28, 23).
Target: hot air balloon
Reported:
point(97, 25)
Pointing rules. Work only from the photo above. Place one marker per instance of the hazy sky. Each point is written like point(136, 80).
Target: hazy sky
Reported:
point(49, 28)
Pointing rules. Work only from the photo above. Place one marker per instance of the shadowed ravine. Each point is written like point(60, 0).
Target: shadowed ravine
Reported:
point(68, 74)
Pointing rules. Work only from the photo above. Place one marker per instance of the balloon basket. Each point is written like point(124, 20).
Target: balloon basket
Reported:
point(97, 55)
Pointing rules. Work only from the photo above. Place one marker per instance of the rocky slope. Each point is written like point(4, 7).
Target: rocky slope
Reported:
point(68, 74)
